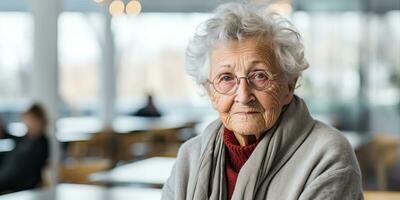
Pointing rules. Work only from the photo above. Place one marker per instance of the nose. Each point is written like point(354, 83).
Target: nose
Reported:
point(244, 93)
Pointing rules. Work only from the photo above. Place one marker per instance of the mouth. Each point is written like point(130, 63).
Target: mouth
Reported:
point(247, 113)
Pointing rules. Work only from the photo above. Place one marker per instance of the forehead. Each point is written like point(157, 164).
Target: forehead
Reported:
point(245, 50)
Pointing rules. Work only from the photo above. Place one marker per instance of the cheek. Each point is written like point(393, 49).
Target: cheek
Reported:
point(223, 103)
point(273, 98)
point(272, 101)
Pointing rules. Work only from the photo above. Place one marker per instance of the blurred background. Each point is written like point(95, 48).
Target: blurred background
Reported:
point(95, 65)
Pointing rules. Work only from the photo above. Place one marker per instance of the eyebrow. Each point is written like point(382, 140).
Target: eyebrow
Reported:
point(251, 63)
point(254, 63)
point(257, 61)
point(226, 66)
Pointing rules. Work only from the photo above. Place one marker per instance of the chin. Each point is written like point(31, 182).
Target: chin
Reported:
point(250, 127)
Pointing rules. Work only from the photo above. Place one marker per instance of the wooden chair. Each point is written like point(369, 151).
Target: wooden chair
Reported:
point(78, 172)
point(101, 145)
point(125, 141)
point(161, 142)
point(377, 157)
point(376, 195)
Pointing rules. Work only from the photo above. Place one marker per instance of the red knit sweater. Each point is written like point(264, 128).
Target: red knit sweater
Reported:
point(236, 157)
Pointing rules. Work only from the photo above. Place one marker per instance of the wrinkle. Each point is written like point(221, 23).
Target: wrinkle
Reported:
point(240, 58)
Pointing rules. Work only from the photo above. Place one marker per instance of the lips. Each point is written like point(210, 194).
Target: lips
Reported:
point(247, 113)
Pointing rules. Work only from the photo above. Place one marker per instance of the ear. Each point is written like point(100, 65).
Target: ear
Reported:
point(291, 87)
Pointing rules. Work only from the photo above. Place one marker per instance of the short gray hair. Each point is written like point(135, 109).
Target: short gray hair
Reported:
point(234, 21)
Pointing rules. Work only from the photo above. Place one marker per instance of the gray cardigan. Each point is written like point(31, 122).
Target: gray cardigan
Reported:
point(324, 166)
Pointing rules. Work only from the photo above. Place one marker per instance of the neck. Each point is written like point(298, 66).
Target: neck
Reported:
point(245, 140)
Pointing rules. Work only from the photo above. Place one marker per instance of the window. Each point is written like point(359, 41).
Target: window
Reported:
point(79, 57)
point(16, 34)
point(151, 51)
point(16, 46)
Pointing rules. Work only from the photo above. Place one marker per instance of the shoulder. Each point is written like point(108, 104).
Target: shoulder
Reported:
point(332, 161)
point(41, 143)
point(185, 165)
point(190, 150)
point(195, 146)
point(330, 149)
point(329, 139)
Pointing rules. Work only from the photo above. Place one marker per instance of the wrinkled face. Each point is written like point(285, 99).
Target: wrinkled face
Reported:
point(248, 111)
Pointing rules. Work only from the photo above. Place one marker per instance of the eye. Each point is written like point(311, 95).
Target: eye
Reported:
point(259, 76)
point(226, 78)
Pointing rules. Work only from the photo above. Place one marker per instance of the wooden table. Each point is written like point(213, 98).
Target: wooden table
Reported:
point(73, 129)
point(78, 125)
point(129, 124)
point(152, 172)
point(376, 195)
point(85, 192)
point(121, 124)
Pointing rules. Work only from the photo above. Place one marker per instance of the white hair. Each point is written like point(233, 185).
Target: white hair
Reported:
point(234, 21)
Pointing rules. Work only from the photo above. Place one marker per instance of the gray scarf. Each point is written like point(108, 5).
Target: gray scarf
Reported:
point(271, 153)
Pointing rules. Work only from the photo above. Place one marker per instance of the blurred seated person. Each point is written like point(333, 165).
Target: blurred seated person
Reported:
point(21, 168)
point(149, 110)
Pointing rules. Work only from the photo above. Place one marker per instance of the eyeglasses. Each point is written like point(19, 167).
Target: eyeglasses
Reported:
point(228, 83)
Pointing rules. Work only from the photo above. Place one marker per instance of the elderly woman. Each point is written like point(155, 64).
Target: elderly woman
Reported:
point(265, 144)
